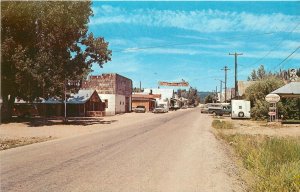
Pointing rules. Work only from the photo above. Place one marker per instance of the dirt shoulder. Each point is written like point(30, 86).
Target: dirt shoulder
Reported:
point(251, 127)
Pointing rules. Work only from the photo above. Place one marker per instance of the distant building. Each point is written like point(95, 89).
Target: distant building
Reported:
point(166, 95)
point(114, 89)
point(242, 86)
point(147, 100)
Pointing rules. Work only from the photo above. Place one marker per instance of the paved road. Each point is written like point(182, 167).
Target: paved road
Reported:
point(176, 152)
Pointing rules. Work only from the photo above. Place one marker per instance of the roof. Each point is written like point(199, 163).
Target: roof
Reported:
point(146, 96)
point(165, 93)
point(243, 85)
point(78, 98)
point(289, 90)
point(81, 97)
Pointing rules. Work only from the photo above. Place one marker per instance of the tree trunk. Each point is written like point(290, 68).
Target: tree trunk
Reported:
point(7, 108)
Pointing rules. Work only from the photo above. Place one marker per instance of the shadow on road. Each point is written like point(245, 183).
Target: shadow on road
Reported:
point(80, 121)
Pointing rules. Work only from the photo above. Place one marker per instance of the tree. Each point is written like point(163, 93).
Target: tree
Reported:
point(261, 72)
point(257, 92)
point(43, 44)
point(211, 98)
point(253, 76)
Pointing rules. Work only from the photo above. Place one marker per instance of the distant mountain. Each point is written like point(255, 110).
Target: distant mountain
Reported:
point(203, 95)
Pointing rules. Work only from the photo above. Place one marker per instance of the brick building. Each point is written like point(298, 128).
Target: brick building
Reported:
point(113, 89)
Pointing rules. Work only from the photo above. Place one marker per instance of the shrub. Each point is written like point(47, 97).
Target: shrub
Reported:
point(218, 124)
point(274, 162)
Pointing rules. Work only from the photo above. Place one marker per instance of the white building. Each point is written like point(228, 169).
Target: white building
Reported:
point(166, 94)
point(113, 89)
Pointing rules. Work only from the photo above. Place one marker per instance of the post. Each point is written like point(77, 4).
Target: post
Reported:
point(235, 73)
point(225, 70)
point(221, 91)
point(65, 101)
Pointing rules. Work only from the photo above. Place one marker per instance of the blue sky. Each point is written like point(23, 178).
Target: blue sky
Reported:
point(170, 41)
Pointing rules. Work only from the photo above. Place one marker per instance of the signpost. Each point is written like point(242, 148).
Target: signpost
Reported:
point(272, 99)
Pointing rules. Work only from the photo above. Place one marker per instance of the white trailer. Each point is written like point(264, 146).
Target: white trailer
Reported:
point(240, 109)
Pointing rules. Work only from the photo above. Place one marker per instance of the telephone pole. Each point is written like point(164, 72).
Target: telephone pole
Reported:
point(225, 70)
point(235, 72)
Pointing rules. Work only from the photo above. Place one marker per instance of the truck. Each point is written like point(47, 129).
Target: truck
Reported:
point(240, 109)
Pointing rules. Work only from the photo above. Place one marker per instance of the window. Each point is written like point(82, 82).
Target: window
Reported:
point(240, 107)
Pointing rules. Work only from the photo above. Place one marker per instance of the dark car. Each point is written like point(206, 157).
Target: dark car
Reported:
point(140, 109)
point(226, 110)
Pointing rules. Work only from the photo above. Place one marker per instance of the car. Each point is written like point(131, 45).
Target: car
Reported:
point(226, 110)
point(184, 107)
point(140, 109)
point(204, 108)
point(160, 109)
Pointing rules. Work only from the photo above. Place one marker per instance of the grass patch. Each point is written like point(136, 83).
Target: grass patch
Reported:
point(218, 124)
point(274, 162)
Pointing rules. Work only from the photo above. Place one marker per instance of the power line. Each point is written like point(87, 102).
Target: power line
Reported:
point(275, 46)
point(278, 65)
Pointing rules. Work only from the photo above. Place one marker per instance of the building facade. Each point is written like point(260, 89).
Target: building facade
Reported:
point(113, 89)
point(146, 100)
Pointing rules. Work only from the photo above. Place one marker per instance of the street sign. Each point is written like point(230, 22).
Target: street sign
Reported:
point(272, 98)
point(180, 84)
point(272, 113)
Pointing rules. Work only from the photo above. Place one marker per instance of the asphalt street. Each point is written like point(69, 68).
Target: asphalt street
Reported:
point(172, 152)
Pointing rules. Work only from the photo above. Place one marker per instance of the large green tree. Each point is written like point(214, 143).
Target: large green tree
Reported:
point(43, 44)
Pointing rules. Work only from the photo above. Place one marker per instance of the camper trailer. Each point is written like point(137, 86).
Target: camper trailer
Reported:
point(240, 109)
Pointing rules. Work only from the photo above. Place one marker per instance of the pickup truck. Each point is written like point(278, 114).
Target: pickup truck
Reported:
point(226, 110)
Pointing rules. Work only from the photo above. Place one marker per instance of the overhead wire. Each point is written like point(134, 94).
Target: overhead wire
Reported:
point(282, 62)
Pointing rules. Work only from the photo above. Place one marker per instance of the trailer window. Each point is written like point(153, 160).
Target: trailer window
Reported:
point(240, 107)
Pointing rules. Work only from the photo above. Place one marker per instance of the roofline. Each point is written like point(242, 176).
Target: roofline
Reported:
point(111, 74)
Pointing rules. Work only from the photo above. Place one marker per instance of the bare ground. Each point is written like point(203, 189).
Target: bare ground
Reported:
point(251, 127)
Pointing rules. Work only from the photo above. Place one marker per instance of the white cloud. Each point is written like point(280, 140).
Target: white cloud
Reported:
point(198, 20)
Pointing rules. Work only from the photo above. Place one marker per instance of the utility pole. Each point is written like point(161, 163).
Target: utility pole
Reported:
point(225, 70)
point(235, 72)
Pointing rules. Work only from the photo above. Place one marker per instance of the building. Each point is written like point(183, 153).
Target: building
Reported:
point(85, 103)
point(114, 89)
point(147, 100)
point(166, 95)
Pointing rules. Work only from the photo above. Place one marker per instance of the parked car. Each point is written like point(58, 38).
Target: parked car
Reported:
point(213, 107)
point(140, 109)
point(204, 108)
point(160, 109)
point(226, 110)
point(184, 107)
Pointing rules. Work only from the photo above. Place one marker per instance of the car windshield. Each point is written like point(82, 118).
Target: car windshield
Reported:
point(140, 107)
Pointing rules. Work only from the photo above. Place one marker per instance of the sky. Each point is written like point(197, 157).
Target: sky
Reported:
point(171, 41)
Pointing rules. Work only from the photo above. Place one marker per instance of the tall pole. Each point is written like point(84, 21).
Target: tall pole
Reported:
point(225, 70)
point(140, 86)
point(65, 101)
point(221, 91)
point(235, 72)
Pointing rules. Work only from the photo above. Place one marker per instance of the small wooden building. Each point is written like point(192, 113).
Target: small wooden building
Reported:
point(85, 103)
